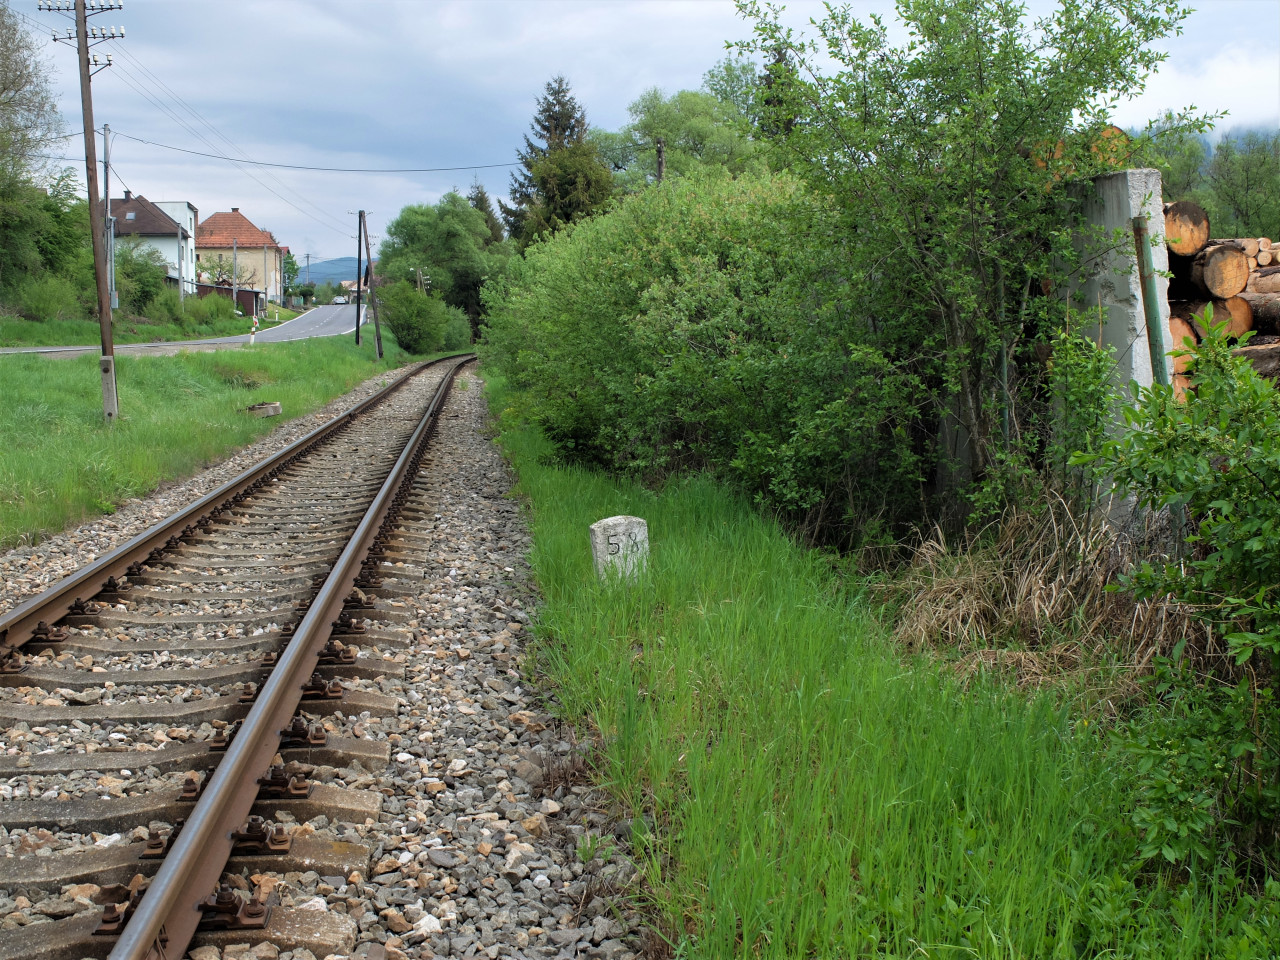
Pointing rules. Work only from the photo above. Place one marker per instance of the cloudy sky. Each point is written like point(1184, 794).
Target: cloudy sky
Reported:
point(399, 84)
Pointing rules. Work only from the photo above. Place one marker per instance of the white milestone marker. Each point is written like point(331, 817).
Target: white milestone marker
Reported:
point(620, 546)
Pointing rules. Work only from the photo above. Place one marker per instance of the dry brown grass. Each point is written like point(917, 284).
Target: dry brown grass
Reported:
point(1029, 596)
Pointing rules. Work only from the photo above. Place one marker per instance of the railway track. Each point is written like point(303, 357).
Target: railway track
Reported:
point(177, 715)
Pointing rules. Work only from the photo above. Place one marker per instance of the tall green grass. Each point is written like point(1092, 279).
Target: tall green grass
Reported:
point(59, 463)
point(808, 790)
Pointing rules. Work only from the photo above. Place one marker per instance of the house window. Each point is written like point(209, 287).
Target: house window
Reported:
point(131, 215)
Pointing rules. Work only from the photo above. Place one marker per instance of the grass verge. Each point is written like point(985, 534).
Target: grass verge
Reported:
point(59, 463)
point(809, 790)
point(16, 332)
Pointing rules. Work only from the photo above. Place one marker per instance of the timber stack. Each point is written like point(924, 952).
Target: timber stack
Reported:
point(1239, 277)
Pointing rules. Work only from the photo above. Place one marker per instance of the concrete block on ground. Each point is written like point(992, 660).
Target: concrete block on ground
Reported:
point(620, 546)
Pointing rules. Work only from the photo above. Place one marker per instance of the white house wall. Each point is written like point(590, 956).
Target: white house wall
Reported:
point(186, 215)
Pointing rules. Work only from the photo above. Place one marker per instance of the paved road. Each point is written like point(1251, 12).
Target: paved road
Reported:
point(326, 321)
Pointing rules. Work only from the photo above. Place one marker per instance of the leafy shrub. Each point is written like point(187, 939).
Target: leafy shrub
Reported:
point(167, 307)
point(48, 298)
point(416, 320)
point(204, 310)
point(699, 326)
point(1215, 460)
point(457, 331)
point(140, 273)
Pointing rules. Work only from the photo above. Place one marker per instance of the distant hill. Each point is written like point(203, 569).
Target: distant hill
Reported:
point(328, 271)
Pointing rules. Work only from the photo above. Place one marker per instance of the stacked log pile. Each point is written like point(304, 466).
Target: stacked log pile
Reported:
point(1239, 276)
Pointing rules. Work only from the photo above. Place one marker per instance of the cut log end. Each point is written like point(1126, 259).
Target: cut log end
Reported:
point(1186, 227)
point(1221, 270)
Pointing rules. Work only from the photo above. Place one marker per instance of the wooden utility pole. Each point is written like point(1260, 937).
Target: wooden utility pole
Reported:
point(97, 218)
point(373, 300)
point(359, 250)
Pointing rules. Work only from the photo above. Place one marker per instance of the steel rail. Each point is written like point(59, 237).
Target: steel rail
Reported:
point(18, 625)
point(191, 871)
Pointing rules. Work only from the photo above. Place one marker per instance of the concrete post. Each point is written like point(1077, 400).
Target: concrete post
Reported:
point(1112, 282)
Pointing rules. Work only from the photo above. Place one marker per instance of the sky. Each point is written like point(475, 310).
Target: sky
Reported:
point(395, 84)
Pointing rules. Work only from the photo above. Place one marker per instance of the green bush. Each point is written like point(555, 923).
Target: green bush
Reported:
point(202, 310)
point(140, 273)
point(698, 326)
point(457, 331)
point(48, 298)
point(1213, 460)
point(167, 307)
point(416, 320)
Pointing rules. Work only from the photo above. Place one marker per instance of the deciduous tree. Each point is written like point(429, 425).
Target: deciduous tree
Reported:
point(290, 270)
point(452, 244)
point(942, 156)
point(697, 129)
point(28, 110)
point(1244, 174)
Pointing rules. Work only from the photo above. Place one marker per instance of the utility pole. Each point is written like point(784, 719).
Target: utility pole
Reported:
point(662, 158)
point(97, 223)
point(235, 277)
point(182, 287)
point(308, 269)
point(110, 220)
point(373, 300)
point(359, 233)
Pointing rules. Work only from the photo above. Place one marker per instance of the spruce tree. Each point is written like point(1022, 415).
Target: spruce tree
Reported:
point(478, 197)
point(560, 129)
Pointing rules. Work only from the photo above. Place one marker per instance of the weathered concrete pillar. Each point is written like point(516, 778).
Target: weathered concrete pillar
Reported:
point(1110, 274)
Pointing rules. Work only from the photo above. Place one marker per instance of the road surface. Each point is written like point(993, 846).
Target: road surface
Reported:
point(326, 321)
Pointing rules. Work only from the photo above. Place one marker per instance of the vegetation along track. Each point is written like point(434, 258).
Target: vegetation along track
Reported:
point(170, 693)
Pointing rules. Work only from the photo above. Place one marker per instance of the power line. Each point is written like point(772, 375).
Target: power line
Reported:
point(180, 120)
point(177, 118)
point(298, 166)
point(188, 109)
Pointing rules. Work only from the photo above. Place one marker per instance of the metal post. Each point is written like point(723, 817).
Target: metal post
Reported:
point(182, 255)
point(110, 220)
point(1150, 303)
point(373, 300)
point(235, 277)
point(359, 231)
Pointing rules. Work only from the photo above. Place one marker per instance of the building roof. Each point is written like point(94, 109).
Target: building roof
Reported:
point(138, 216)
point(219, 229)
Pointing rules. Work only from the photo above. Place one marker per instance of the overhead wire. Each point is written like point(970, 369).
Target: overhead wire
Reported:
point(138, 76)
point(329, 221)
point(298, 166)
point(333, 222)
point(182, 103)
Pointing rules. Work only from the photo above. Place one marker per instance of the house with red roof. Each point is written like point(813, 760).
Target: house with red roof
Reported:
point(224, 238)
